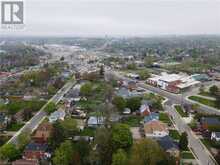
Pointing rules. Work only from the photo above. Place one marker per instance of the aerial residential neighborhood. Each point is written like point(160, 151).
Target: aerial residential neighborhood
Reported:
point(105, 82)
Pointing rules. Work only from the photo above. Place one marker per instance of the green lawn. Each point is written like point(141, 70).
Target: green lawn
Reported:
point(179, 109)
point(15, 127)
point(164, 118)
point(187, 155)
point(133, 121)
point(210, 144)
point(204, 101)
point(174, 134)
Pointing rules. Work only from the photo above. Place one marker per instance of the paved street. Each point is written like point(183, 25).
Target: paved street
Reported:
point(176, 98)
point(202, 154)
point(34, 122)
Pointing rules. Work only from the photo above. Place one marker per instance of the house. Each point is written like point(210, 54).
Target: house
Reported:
point(144, 110)
point(209, 121)
point(215, 136)
point(94, 121)
point(169, 146)
point(155, 129)
point(19, 116)
point(77, 113)
point(36, 151)
point(151, 117)
point(131, 85)
point(57, 115)
point(25, 162)
point(43, 133)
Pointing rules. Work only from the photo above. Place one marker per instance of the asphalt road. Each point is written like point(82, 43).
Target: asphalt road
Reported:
point(203, 156)
point(34, 122)
point(176, 98)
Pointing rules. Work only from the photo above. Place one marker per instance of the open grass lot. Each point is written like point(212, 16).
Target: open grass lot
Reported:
point(179, 109)
point(204, 101)
point(174, 134)
point(14, 127)
point(164, 118)
point(133, 121)
point(187, 155)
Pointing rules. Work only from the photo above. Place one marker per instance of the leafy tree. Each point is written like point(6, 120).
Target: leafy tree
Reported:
point(146, 151)
point(57, 136)
point(62, 58)
point(183, 143)
point(69, 126)
point(82, 149)
point(217, 101)
point(102, 70)
point(119, 158)
point(9, 152)
point(119, 102)
point(103, 152)
point(144, 74)
point(213, 90)
point(133, 103)
point(121, 136)
point(64, 154)
point(51, 89)
point(131, 66)
point(51, 107)
point(86, 89)
point(23, 139)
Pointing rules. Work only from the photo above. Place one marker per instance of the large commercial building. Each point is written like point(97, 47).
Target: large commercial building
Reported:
point(173, 82)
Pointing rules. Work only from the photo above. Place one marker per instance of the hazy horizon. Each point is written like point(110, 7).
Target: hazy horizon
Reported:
point(122, 18)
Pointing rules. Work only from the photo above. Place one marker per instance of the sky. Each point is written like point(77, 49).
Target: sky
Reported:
point(118, 18)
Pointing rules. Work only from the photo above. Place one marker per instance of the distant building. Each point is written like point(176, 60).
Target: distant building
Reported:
point(155, 129)
point(174, 83)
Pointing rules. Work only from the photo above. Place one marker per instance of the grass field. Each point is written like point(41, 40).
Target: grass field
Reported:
point(179, 109)
point(133, 121)
point(164, 118)
point(204, 101)
point(187, 155)
point(174, 134)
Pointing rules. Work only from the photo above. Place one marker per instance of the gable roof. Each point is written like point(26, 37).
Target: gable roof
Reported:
point(210, 120)
point(36, 147)
point(152, 116)
point(167, 143)
point(155, 125)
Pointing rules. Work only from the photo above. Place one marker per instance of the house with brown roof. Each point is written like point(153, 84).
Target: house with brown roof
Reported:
point(25, 162)
point(155, 129)
point(43, 133)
